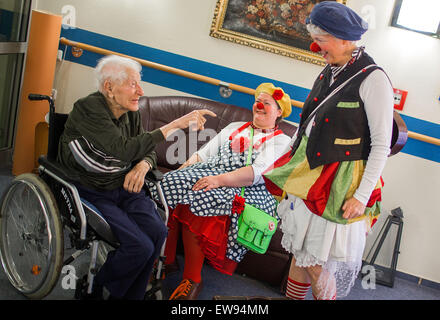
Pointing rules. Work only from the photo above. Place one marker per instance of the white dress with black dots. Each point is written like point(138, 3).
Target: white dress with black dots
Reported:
point(177, 185)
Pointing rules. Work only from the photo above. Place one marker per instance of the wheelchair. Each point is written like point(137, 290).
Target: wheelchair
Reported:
point(37, 208)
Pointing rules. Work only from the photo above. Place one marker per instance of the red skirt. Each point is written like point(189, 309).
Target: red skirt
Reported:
point(212, 233)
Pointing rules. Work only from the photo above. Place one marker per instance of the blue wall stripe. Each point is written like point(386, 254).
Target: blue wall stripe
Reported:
point(197, 88)
point(419, 148)
point(181, 62)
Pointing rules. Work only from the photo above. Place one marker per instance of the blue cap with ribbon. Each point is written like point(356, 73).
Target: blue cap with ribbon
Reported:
point(338, 20)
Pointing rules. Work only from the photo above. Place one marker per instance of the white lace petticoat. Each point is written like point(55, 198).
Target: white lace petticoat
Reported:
point(314, 240)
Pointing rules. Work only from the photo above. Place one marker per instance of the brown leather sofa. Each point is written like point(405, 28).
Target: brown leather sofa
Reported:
point(271, 267)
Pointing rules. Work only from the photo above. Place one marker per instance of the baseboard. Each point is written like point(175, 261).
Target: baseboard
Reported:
point(409, 277)
point(418, 280)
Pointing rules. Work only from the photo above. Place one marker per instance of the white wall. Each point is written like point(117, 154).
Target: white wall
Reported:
point(411, 60)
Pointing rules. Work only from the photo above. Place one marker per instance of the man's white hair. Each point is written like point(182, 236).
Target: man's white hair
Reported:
point(114, 68)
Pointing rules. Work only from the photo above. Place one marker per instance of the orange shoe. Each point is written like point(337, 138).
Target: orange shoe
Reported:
point(187, 290)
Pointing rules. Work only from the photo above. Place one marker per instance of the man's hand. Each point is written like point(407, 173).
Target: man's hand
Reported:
point(135, 178)
point(352, 208)
point(195, 120)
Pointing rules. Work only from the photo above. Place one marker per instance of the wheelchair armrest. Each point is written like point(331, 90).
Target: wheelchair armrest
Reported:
point(57, 169)
point(154, 175)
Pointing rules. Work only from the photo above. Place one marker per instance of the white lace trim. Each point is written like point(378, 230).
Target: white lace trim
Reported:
point(304, 259)
point(337, 277)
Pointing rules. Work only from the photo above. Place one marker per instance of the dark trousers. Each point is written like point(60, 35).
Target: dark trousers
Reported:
point(141, 233)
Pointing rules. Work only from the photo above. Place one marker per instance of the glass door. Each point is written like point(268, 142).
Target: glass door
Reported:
point(14, 20)
point(10, 75)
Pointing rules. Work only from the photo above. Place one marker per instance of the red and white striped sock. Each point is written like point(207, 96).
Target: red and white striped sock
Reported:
point(296, 290)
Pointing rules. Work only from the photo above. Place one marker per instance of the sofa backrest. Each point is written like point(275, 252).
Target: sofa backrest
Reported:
point(158, 111)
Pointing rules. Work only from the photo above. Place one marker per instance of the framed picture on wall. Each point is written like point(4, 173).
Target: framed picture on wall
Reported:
point(276, 26)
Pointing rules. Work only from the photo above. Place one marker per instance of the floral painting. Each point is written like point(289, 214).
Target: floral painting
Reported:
point(277, 26)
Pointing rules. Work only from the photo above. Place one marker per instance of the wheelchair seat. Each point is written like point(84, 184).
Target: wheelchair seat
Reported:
point(97, 221)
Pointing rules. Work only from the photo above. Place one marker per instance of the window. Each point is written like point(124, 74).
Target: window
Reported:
point(418, 15)
point(10, 75)
point(14, 17)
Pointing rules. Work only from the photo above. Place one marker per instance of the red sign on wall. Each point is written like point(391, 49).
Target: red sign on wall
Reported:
point(399, 98)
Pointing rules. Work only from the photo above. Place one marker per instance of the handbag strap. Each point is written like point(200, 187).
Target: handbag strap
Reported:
point(249, 156)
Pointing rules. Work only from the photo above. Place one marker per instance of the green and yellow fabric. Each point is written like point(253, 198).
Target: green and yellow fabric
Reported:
point(323, 189)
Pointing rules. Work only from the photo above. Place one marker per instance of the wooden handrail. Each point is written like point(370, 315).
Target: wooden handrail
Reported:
point(424, 138)
point(168, 69)
point(206, 79)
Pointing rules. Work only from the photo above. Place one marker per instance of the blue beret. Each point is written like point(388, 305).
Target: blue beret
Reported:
point(338, 20)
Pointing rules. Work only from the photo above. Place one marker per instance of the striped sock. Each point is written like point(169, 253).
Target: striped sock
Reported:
point(296, 290)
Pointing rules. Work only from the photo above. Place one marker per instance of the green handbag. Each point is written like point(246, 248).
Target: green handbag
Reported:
point(255, 227)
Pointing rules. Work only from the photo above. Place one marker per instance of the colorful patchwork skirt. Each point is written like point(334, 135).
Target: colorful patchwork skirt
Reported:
point(323, 189)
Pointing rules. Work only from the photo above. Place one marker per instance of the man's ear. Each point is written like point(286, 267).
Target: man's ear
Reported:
point(108, 88)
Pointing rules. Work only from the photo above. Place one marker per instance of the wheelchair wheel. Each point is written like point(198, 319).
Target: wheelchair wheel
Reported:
point(31, 236)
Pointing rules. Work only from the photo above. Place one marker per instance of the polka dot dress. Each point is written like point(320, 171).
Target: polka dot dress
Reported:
point(177, 187)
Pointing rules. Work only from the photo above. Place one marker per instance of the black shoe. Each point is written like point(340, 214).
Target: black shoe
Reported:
point(81, 290)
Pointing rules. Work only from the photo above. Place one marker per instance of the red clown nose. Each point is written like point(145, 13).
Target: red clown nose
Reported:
point(314, 47)
point(260, 106)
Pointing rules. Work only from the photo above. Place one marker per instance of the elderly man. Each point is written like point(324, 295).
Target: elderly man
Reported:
point(104, 143)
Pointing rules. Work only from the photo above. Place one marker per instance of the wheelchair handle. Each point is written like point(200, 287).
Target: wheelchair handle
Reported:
point(40, 97)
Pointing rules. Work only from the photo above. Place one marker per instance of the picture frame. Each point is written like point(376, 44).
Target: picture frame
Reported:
point(276, 26)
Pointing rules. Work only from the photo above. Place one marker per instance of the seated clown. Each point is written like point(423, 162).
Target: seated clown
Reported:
point(203, 192)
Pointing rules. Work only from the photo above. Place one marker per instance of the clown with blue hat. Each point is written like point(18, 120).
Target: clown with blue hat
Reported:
point(338, 20)
point(330, 175)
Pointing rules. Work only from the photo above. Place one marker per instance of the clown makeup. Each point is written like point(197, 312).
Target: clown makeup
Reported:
point(266, 111)
point(335, 51)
